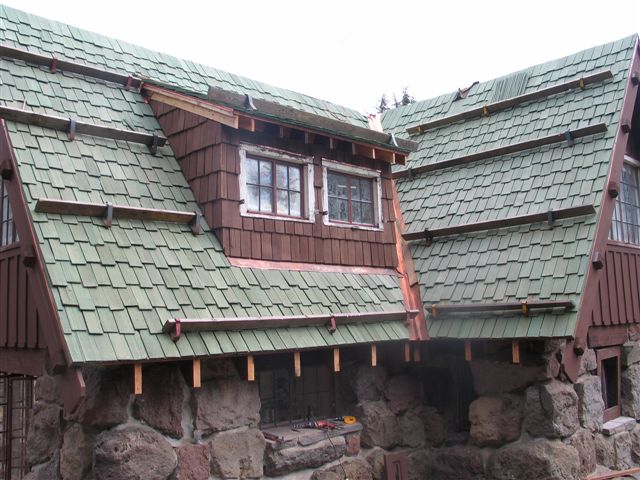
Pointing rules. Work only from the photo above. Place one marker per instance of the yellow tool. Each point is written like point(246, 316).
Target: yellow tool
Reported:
point(349, 419)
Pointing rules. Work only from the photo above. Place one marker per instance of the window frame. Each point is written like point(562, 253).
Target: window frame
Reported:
point(5, 205)
point(603, 354)
point(16, 403)
point(277, 156)
point(357, 172)
point(617, 231)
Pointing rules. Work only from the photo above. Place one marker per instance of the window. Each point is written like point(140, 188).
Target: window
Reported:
point(8, 232)
point(275, 184)
point(352, 196)
point(609, 373)
point(286, 398)
point(626, 215)
point(16, 400)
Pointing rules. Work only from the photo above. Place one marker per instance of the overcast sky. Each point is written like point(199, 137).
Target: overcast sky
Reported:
point(350, 52)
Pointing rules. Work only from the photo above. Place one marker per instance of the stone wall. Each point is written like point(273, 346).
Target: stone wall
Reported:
point(526, 422)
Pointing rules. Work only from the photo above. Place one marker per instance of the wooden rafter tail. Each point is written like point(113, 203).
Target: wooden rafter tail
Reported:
point(56, 64)
point(297, 364)
point(516, 307)
point(196, 373)
point(251, 369)
point(559, 214)
point(63, 125)
point(336, 360)
point(569, 136)
point(468, 352)
point(515, 351)
point(137, 379)
point(512, 102)
point(374, 355)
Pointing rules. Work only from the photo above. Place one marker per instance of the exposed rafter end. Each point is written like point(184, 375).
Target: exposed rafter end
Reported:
point(524, 307)
point(597, 261)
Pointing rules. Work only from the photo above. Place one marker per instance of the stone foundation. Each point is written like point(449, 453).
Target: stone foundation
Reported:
point(525, 422)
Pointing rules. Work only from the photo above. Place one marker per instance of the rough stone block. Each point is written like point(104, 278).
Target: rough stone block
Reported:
point(353, 444)
point(133, 452)
point(457, 463)
point(630, 354)
point(379, 425)
point(402, 393)
point(588, 362)
point(226, 404)
point(584, 444)
point(435, 427)
point(418, 464)
point(412, 427)
point(590, 402)
point(193, 463)
point(494, 378)
point(630, 391)
point(615, 451)
point(76, 455)
point(551, 410)
point(635, 444)
point(160, 405)
point(539, 459)
point(617, 425)
point(45, 471)
point(44, 435)
point(287, 460)
point(355, 469)
point(362, 383)
point(237, 453)
point(47, 390)
point(375, 458)
point(495, 420)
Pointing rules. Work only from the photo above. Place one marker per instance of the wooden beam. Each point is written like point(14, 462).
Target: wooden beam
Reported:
point(511, 102)
point(515, 351)
point(374, 355)
point(63, 124)
point(293, 117)
point(247, 123)
point(243, 323)
point(197, 377)
point(297, 367)
point(336, 360)
point(68, 207)
point(407, 352)
point(68, 66)
point(504, 150)
point(452, 308)
point(616, 474)
point(137, 379)
point(468, 354)
point(251, 369)
point(188, 103)
point(560, 214)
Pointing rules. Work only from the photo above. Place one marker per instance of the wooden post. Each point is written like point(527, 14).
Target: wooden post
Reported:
point(515, 351)
point(251, 369)
point(374, 355)
point(407, 352)
point(197, 379)
point(336, 360)
point(297, 369)
point(137, 379)
point(467, 350)
point(417, 353)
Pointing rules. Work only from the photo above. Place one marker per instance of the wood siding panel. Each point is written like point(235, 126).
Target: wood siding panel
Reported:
point(208, 154)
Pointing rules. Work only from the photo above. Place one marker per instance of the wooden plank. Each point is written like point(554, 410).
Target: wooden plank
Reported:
point(251, 369)
point(515, 351)
point(297, 367)
point(374, 355)
point(503, 150)
point(22, 300)
point(560, 214)
point(137, 379)
point(617, 474)
point(63, 124)
point(511, 102)
point(407, 352)
point(197, 376)
point(445, 308)
point(4, 300)
point(417, 352)
point(336, 360)
point(12, 313)
point(468, 354)
point(607, 336)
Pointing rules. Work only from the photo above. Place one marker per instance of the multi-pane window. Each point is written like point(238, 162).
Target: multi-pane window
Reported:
point(286, 398)
point(609, 372)
point(626, 216)
point(8, 232)
point(274, 187)
point(16, 400)
point(350, 198)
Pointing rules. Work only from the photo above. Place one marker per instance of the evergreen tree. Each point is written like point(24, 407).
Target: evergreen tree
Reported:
point(383, 105)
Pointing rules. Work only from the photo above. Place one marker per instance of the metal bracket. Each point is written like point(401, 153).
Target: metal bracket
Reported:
point(332, 326)
point(634, 79)
point(28, 256)
point(434, 310)
point(129, 83)
point(248, 102)
point(551, 218)
point(525, 308)
point(6, 172)
point(392, 140)
point(153, 147)
point(597, 261)
point(195, 223)
point(410, 173)
point(485, 110)
point(428, 237)
point(569, 138)
point(71, 129)
point(613, 189)
point(625, 126)
point(54, 65)
point(177, 331)
point(581, 83)
point(108, 215)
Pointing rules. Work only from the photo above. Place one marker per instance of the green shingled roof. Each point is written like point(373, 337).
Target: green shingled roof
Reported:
point(40, 35)
point(518, 263)
point(114, 288)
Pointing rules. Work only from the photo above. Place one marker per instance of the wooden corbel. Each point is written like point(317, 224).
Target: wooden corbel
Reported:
point(28, 256)
point(177, 330)
point(331, 325)
point(613, 189)
point(597, 261)
point(6, 170)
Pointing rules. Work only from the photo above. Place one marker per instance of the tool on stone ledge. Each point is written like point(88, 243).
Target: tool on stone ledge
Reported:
point(347, 419)
point(272, 437)
point(319, 424)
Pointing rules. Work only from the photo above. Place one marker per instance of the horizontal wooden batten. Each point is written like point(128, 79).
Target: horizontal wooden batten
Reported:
point(76, 127)
point(524, 307)
point(68, 66)
point(293, 117)
point(178, 326)
point(310, 267)
point(494, 107)
point(568, 135)
point(66, 207)
point(547, 216)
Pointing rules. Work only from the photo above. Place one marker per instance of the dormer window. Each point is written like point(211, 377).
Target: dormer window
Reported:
point(275, 184)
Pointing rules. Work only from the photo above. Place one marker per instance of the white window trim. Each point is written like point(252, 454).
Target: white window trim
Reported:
point(375, 175)
point(277, 154)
